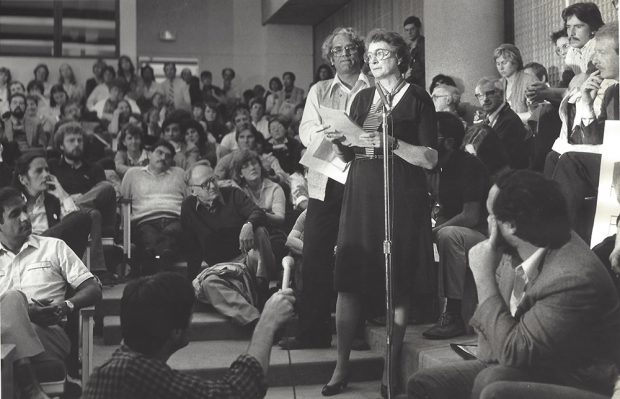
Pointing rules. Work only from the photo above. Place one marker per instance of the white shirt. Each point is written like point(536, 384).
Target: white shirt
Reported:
point(577, 59)
point(38, 215)
point(529, 272)
point(42, 269)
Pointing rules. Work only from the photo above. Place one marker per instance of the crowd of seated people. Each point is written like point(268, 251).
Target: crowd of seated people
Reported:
point(200, 163)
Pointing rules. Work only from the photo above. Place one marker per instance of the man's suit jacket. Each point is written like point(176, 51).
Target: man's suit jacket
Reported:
point(567, 327)
point(610, 110)
point(514, 136)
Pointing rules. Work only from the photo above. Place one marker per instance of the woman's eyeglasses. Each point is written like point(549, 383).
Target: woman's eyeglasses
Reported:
point(379, 55)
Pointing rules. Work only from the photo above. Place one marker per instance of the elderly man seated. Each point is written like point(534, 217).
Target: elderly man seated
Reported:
point(447, 99)
point(498, 114)
point(52, 211)
point(160, 307)
point(35, 273)
point(156, 192)
point(548, 311)
point(222, 224)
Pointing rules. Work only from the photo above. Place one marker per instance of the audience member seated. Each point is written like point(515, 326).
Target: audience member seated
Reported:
point(446, 99)
point(96, 79)
point(272, 96)
point(214, 124)
point(52, 212)
point(156, 313)
point(548, 311)
point(545, 121)
point(58, 98)
point(42, 73)
point(16, 87)
point(101, 91)
point(230, 93)
point(482, 141)
point(441, 79)
point(171, 132)
point(69, 83)
point(9, 152)
point(247, 140)
point(175, 90)
point(85, 182)
point(5, 78)
point(577, 168)
point(120, 117)
point(242, 120)
point(509, 64)
point(299, 187)
point(259, 119)
point(198, 114)
point(561, 45)
point(146, 88)
point(286, 150)
point(210, 93)
point(35, 277)
point(288, 97)
point(249, 174)
point(126, 72)
point(131, 151)
point(156, 192)
point(460, 223)
point(225, 229)
point(36, 116)
point(27, 133)
point(196, 147)
point(117, 91)
point(498, 114)
point(323, 72)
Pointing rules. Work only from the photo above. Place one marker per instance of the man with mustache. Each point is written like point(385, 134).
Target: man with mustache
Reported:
point(156, 192)
point(26, 132)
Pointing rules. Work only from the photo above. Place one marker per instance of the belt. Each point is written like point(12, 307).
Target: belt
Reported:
point(370, 153)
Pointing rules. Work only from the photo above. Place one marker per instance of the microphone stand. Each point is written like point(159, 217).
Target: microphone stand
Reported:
point(387, 243)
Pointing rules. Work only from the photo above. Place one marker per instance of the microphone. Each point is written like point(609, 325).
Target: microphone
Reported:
point(388, 106)
point(287, 264)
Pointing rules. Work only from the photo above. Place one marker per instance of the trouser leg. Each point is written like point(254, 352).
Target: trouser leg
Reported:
point(454, 381)
point(73, 229)
point(533, 390)
point(227, 300)
point(267, 266)
point(16, 326)
point(103, 198)
point(320, 234)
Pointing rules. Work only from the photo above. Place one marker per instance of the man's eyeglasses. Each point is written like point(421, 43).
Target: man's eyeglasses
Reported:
point(344, 50)
point(210, 184)
point(489, 93)
point(380, 55)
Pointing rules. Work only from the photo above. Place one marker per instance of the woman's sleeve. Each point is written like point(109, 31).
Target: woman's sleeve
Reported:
point(427, 124)
point(278, 202)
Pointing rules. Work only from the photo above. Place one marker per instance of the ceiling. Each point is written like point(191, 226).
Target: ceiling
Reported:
point(299, 12)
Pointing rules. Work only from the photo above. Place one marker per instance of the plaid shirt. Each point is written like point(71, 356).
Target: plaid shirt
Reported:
point(131, 375)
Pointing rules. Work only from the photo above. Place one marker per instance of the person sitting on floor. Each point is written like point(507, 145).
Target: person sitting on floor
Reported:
point(547, 308)
point(462, 192)
point(35, 273)
point(156, 313)
point(222, 224)
point(156, 192)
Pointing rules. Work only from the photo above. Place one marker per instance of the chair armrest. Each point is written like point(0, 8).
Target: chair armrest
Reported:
point(87, 322)
point(125, 204)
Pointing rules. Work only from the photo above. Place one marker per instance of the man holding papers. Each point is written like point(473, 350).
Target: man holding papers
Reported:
point(344, 50)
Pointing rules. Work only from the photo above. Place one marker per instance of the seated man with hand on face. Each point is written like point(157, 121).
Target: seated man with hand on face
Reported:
point(222, 224)
point(35, 273)
point(547, 310)
point(156, 313)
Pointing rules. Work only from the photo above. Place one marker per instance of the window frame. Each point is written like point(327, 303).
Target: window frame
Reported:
point(57, 37)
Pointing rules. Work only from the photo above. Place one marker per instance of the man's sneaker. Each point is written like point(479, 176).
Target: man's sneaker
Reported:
point(450, 325)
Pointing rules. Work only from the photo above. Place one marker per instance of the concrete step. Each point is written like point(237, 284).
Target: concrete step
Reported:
point(205, 326)
point(355, 390)
point(211, 359)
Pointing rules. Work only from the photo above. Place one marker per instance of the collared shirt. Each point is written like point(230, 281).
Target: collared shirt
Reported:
point(129, 374)
point(179, 90)
point(495, 115)
point(525, 274)
point(577, 59)
point(41, 269)
point(38, 214)
point(76, 180)
point(330, 94)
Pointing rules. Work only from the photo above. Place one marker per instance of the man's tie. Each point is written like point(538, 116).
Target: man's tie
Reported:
point(171, 92)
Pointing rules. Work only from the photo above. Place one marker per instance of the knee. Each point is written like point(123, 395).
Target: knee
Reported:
point(261, 233)
point(106, 191)
point(421, 385)
point(497, 390)
point(490, 375)
point(13, 299)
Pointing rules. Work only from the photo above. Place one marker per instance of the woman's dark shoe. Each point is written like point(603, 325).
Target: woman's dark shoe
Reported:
point(331, 390)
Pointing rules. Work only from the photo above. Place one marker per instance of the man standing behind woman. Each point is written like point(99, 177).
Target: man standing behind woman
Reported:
point(359, 272)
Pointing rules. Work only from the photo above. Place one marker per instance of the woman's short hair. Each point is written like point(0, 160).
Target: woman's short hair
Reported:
point(145, 68)
point(535, 205)
point(509, 52)
point(152, 307)
point(441, 79)
point(351, 34)
point(585, 12)
point(396, 41)
point(290, 75)
point(276, 80)
point(202, 135)
point(130, 130)
point(554, 36)
point(35, 84)
point(69, 102)
point(7, 72)
point(110, 69)
point(317, 74)
point(241, 158)
point(132, 68)
point(281, 119)
point(57, 88)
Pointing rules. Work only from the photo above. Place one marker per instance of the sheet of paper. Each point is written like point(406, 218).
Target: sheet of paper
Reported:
point(321, 158)
point(608, 200)
point(339, 121)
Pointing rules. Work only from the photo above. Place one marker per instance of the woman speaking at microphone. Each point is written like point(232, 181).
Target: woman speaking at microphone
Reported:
point(360, 267)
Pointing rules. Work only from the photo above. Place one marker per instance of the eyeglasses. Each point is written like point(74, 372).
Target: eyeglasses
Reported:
point(489, 93)
point(435, 96)
point(209, 184)
point(563, 47)
point(379, 55)
point(344, 50)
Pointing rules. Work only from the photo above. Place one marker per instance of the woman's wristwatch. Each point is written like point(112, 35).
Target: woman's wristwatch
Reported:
point(395, 144)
